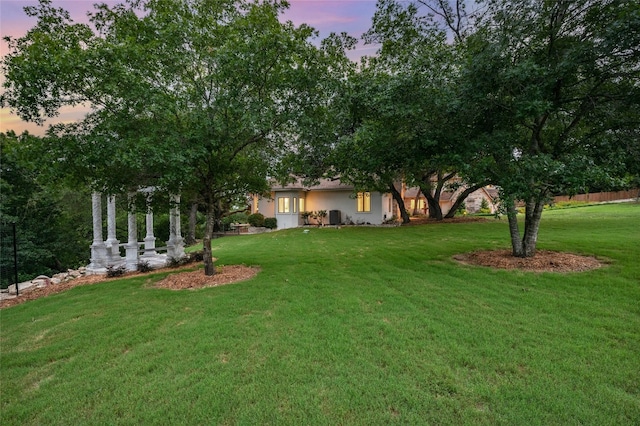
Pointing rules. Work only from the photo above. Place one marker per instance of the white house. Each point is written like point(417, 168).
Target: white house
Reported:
point(341, 202)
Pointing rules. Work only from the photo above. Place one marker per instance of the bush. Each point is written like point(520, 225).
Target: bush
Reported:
point(271, 222)
point(256, 219)
point(175, 262)
point(484, 206)
point(234, 218)
point(144, 266)
point(116, 271)
point(196, 256)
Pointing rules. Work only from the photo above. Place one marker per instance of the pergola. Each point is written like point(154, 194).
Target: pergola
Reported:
point(106, 253)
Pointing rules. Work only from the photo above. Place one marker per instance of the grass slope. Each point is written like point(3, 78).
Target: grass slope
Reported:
point(346, 326)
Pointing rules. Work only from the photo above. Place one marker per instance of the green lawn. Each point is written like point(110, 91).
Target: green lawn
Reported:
point(346, 326)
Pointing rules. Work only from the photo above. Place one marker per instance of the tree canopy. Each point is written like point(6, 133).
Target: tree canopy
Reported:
point(192, 94)
point(553, 86)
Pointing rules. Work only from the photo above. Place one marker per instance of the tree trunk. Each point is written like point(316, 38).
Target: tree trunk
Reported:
point(463, 196)
point(193, 217)
point(514, 231)
point(533, 214)
point(435, 212)
point(209, 266)
point(525, 247)
point(398, 197)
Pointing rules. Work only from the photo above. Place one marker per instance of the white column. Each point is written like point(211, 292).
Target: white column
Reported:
point(99, 256)
point(132, 238)
point(175, 245)
point(149, 239)
point(113, 251)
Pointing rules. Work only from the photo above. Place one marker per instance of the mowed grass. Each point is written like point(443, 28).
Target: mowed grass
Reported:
point(346, 326)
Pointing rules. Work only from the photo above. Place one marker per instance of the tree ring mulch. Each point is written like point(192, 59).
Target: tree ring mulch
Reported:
point(192, 280)
point(543, 261)
point(228, 274)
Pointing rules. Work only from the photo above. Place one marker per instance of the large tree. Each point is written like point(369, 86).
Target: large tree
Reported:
point(554, 86)
point(421, 57)
point(194, 94)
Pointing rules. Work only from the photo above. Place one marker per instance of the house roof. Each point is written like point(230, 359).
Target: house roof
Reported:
point(322, 185)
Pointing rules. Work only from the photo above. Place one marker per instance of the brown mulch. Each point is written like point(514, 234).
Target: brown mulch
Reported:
point(180, 280)
point(543, 261)
point(36, 293)
point(197, 279)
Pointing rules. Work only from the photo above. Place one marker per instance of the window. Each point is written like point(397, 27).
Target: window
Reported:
point(283, 205)
point(420, 204)
point(295, 204)
point(364, 201)
point(301, 201)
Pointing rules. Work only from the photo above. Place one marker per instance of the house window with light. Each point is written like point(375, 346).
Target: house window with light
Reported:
point(301, 205)
point(421, 204)
point(295, 204)
point(283, 205)
point(364, 202)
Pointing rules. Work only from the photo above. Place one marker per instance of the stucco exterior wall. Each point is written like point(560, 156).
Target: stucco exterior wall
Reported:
point(382, 207)
point(347, 203)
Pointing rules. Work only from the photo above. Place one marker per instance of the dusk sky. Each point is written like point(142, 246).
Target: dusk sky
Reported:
point(352, 16)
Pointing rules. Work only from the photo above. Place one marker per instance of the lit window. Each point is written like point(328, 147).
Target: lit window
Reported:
point(295, 204)
point(301, 201)
point(364, 201)
point(283, 205)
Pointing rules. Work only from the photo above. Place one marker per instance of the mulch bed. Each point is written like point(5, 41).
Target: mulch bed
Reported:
point(178, 281)
point(543, 261)
point(197, 279)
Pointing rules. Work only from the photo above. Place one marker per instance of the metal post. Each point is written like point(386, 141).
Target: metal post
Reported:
point(15, 257)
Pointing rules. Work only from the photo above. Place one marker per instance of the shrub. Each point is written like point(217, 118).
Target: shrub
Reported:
point(271, 222)
point(175, 262)
point(116, 271)
point(319, 216)
point(484, 206)
point(196, 256)
point(234, 218)
point(305, 217)
point(144, 266)
point(256, 219)
point(393, 220)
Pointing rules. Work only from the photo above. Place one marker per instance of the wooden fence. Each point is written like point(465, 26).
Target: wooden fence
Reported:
point(600, 196)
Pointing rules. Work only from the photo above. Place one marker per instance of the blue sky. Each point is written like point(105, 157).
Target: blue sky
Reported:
point(352, 16)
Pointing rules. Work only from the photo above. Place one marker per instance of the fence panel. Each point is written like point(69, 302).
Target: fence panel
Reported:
point(599, 197)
